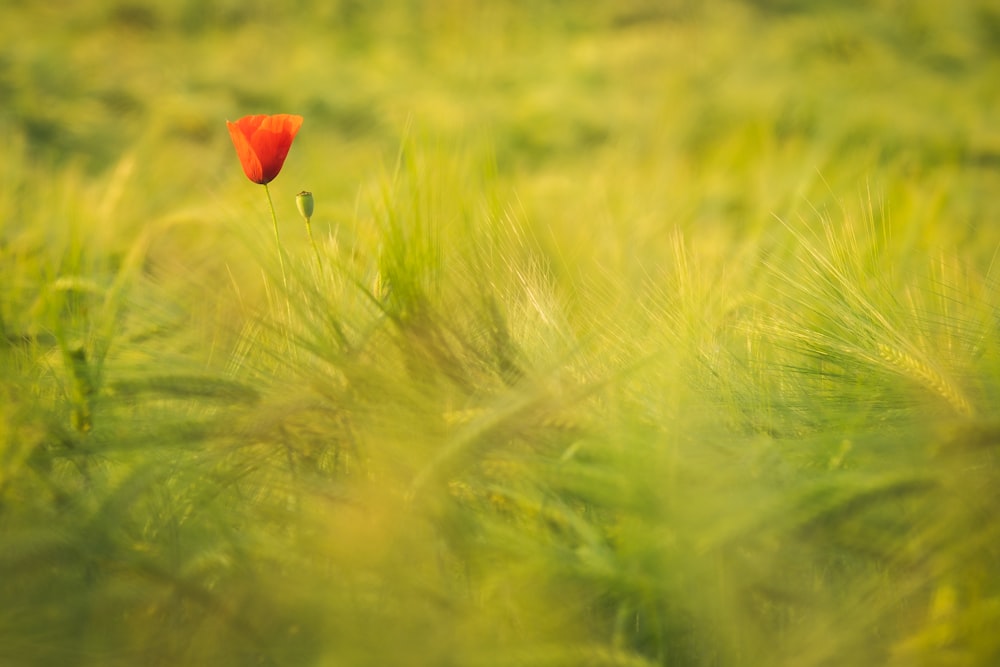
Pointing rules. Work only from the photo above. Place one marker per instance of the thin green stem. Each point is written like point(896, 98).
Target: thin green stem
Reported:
point(277, 238)
point(281, 260)
point(309, 231)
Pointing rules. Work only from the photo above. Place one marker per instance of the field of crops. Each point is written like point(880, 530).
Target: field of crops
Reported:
point(640, 333)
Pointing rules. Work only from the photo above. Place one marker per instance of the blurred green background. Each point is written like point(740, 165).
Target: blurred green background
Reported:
point(633, 101)
point(640, 333)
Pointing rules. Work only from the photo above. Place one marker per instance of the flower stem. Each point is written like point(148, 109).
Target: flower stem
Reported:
point(309, 231)
point(277, 238)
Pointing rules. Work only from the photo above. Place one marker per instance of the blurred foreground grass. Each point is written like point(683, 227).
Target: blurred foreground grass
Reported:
point(648, 333)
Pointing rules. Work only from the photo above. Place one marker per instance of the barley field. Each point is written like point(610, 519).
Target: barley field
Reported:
point(639, 333)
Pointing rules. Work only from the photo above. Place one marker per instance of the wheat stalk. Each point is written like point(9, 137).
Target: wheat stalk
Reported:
point(927, 375)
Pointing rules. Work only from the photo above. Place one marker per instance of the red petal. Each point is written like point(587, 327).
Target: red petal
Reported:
point(272, 139)
point(244, 150)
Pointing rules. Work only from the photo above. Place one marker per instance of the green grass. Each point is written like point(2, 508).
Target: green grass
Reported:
point(645, 333)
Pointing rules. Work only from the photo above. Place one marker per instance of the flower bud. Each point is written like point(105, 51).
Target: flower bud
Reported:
point(304, 200)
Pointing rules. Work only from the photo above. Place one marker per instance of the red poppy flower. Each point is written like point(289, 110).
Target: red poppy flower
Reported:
point(262, 143)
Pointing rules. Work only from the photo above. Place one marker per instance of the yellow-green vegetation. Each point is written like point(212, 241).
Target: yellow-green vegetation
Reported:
point(655, 332)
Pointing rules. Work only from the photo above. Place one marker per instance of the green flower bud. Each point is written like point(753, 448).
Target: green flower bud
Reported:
point(304, 200)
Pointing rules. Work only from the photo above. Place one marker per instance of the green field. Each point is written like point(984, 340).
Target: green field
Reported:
point(652, 332)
